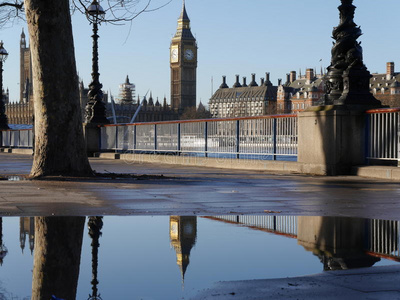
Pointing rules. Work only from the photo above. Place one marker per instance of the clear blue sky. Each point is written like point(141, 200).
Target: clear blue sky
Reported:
point(234, 37)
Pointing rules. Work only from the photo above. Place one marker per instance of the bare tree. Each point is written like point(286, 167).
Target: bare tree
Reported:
point(119, 11)
point(59, 140)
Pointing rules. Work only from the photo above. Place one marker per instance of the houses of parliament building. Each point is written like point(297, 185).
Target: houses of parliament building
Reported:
point(183, 64)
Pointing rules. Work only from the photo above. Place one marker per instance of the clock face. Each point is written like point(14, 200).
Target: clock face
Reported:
point(189, 55)
point(174, 55)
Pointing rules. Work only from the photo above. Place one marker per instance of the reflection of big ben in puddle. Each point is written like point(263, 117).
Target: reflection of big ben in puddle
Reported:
point(182, 233)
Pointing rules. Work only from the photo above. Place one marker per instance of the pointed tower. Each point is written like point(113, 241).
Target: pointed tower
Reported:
point(25, 70)
point(183, 62)
point(126, 92)
point(182, 234)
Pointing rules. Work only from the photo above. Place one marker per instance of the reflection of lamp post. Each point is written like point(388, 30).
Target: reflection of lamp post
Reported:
point(3, 117)
point(95, 225)
point(95, 107)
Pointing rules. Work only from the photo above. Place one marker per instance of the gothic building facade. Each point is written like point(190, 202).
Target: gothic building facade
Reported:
point(25, 82)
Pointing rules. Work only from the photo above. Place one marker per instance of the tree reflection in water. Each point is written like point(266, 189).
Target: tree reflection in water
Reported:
point(58, 245)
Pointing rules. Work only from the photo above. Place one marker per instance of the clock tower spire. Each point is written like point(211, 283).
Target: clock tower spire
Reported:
point(183, 61)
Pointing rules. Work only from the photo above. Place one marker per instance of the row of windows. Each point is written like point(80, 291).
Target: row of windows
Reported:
point(223, 105)
point(241, 99)
point(293, 106)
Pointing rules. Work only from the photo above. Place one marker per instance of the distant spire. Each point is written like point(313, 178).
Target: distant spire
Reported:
point(184, 15)
point(183, 31)
point(127, 80)
point(165, 105)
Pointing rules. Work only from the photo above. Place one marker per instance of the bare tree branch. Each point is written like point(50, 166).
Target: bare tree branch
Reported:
point(10, 11)
point(120, 11)
point(16, 4)
point(117, 11)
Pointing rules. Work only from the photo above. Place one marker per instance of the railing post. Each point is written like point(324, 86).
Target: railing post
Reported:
point(274, 130)
point(206, 139)
point(367, 138)
point(116, 138)
point(237, 138)
point(155, 138)
point(179, 139)
point(398, 139)
point(134, 138)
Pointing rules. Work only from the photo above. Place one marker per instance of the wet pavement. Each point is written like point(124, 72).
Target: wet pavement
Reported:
point(194, 191)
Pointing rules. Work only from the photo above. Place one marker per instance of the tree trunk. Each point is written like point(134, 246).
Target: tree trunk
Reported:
point(58, 246)
point(59, 142)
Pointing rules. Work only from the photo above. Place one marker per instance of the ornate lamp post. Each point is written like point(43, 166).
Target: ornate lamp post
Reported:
point(3, 117)
point(95, 107)
point(347, 81)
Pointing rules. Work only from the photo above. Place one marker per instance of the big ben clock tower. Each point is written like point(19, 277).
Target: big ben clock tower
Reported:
point(183, 60)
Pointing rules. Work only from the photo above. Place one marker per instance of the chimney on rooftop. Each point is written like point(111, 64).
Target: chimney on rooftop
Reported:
point(287, 78)
point(389, 70)
point(237, 83)
point(244, 82)
point(267, 79)
point(253, 80)
point(279, 81)
point(223, 85)
point(309, 75)
point(292, 76)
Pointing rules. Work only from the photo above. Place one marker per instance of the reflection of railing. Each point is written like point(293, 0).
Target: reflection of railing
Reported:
point(258, 137)
point(21, 138)
point(383, 130)
point(282, 225)
point(384, 239)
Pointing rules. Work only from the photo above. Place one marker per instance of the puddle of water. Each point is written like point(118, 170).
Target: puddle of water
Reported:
point(13, 178)
point(174, 257)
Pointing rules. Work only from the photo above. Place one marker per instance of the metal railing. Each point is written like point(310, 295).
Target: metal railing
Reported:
point(264, 137)
point(384, 239)
point(21, 138)
point(383, 132)
point(282, 225)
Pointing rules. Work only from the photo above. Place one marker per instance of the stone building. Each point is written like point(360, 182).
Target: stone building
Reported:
point(243, 100)
point(386, 86)
point(298, 93)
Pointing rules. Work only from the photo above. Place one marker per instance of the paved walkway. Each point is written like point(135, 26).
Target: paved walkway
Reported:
point(194, 190)
point(371, 283)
